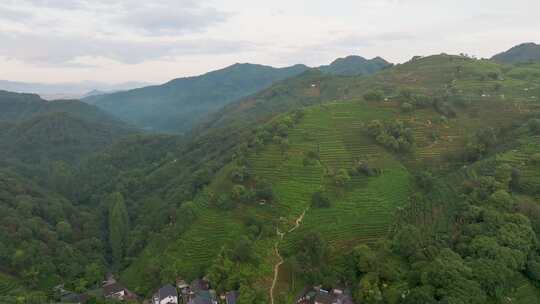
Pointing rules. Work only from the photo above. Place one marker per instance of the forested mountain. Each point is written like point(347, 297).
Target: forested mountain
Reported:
point(355, 65)
point(523, 53)
point(16, 107)
point(417, 184)
point(177, 105)
point(182, 103)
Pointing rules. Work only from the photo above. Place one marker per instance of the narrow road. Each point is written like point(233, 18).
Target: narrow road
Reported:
point(281, 235)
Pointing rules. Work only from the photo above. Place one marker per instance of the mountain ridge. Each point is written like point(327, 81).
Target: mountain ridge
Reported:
point(181, 103)
point(521, 53)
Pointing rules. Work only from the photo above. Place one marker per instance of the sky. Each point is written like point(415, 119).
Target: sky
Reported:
point(115, 41)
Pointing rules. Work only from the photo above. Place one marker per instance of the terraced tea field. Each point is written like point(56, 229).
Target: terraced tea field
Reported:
point(362, 210)
point(9, 286)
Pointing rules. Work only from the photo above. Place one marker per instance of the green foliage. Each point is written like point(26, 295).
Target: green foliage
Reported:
point(406, 107)
point(393, 135)
point(263, 190)
point(374, 96)
point(534, 126)
point(355, 65)
point(342, 177)
point(118, 227)
point(526, 52)
point(319, 200)
point(180, 104)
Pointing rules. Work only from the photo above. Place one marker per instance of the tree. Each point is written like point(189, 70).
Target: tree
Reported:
point(406, 107)
point(319, 200)
point(118, 227)
point(239, 174)
point(243, 250)
point(311, 254)
point(250, 295)
point(373, 96)
point(534, 126)
point(407, 241)
point(94, 273)
point(342, 177)
point(64, 230)
point(422, 294)
point(239, 193)
point(425, 180)
point(369, 291)
point(220, 273)
point(365, 258)
point(263, 190)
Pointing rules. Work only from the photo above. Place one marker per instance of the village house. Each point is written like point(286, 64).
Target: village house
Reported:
point(317, 295)
point(117, 291)
point(230, 297)
point(200, 293)
point(166, 295)
point(114, 291)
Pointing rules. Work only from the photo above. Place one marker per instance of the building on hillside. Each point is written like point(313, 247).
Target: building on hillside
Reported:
point(317, 295)
point(166, 295)
point(230, 297)
point(118, 292)
point(200, 293)
point(74, 298)
point(181, 284)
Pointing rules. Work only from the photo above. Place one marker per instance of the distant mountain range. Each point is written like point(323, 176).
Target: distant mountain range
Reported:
point(526, 52)
point(178, 105)
point(73, 90)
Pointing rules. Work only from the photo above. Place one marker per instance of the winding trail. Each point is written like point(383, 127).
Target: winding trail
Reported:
point(281, 235)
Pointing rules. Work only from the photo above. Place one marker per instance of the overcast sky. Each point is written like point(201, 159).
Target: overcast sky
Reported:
point(154, 41)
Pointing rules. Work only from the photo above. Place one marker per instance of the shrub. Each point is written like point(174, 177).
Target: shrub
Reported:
point(239, 174)
point(425, 180)
point(364, 168)
point(535, 158)
point(319, 200)
point(263, 190)
point(342, 177)
point(534, 125)
point(406, 107)
point(374, 96)
point(239, 193)
point(393, 135)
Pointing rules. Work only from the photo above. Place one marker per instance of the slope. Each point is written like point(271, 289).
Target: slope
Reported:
point(175, 106)
point(523, 53)
point(451, 98)
point(16, 107)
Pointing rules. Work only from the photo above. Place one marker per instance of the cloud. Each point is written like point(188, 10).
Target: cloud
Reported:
point(9, 14)
point(64, 50)
point(164, 20)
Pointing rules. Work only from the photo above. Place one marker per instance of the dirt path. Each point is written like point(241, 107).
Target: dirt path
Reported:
point(281, 235)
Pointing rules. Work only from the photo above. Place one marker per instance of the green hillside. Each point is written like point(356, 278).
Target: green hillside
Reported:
point(179, 104)
point(441, 101)
point(523, 53)
point(18, 107)
point(355, 65)
point(56, 136)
